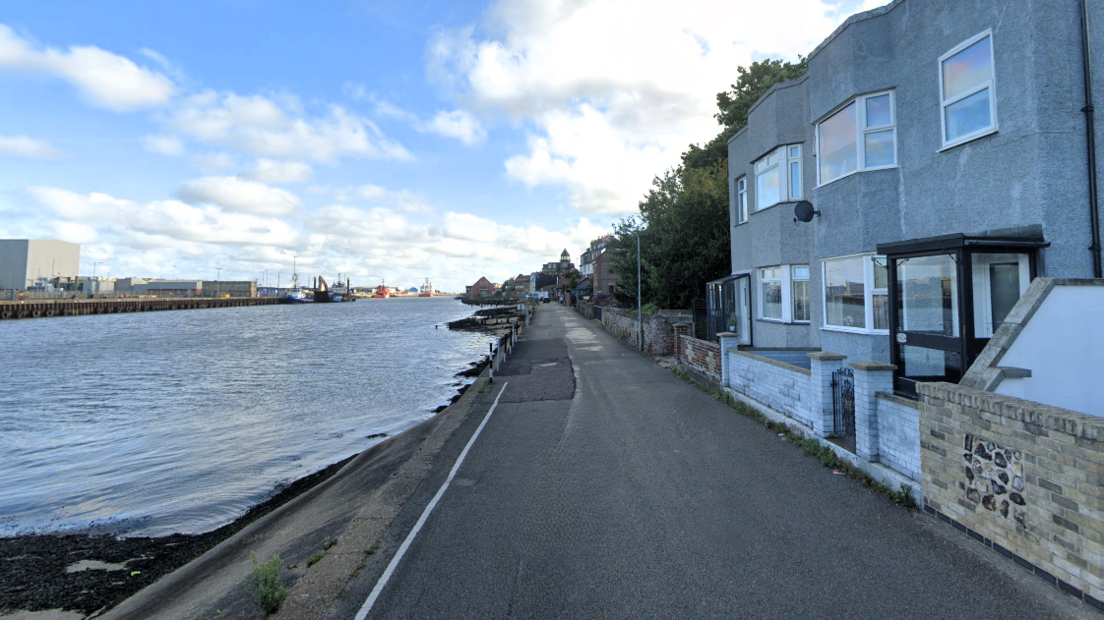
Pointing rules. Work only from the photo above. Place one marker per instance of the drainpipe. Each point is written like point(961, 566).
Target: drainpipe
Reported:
point(1090, 129)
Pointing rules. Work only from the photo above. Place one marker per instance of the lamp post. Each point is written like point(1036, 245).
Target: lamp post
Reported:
point(92, 286)
point(639, 307)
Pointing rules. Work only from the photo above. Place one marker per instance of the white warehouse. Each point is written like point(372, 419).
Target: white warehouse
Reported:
point(22, 261)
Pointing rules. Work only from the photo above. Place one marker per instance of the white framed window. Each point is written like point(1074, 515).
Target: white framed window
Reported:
point(861, 135)
point(793, 170)
point(799, 287)
point(770, 293)
point(968, 91)
point(741, 200)
point(778, 177)
point(784, 293)
point(856, 297)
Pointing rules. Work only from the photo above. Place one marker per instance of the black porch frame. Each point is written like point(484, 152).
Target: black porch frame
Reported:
point(961, 248)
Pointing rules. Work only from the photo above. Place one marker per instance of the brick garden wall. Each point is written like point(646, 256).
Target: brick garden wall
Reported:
point(701, 356)
point(659, 333)
point(1025, 479)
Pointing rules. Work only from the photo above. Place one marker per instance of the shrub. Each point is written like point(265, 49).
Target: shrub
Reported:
point(267, 578)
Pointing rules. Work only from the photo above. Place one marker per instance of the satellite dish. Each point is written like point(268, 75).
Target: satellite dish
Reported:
point(804, 211)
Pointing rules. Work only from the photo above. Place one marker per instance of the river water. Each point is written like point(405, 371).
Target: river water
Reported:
point(161, 422)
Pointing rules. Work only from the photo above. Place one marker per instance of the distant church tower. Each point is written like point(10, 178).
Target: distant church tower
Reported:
point(565, 259)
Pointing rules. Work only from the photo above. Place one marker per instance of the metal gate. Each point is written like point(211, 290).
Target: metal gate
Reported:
point(843, 405)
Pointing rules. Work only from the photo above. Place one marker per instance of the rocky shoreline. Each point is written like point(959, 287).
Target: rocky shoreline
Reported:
point(41, 571)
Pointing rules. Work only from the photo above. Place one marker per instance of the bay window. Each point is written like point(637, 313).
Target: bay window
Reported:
point(860, 136)
point(856, 294)
point(967, 90)
point(778, 177)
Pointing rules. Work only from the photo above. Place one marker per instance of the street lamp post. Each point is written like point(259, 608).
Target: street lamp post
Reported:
point(91, 284)
point(639, 308)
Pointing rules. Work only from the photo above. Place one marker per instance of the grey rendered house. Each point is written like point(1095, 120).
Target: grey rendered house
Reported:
point(944, 149)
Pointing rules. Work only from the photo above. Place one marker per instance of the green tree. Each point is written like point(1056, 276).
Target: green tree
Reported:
point(683, 220)
point(683, 226)
point(733, 105)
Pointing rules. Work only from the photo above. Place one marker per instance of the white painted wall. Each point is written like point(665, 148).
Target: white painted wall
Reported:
point(1063, 347)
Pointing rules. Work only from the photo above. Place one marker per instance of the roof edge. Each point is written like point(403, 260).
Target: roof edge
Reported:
point(854, 19)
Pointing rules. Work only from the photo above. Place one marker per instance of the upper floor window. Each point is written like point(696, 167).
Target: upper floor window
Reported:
point(966, 87)
point(741, 200)
point(778, 177)
point(860, 136)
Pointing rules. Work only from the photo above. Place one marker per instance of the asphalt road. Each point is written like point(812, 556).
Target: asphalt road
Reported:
point(605, 487)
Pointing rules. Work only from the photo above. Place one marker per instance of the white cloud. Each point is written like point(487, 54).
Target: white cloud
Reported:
point(402, 199)
point(457, 124)
point(380, 241)
point(264, 127)
point(238, 194)
point(213, 163)
point(169, 224)
point(272, 171)
point(107, 80)
point(163, 145)
point(23, 146)
point(608, 107)
point(75, 232)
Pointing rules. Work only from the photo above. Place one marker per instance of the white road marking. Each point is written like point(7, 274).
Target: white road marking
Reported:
point(382, 583)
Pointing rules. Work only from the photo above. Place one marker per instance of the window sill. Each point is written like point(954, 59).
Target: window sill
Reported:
point(859, 171)
point(782, 321)
point(854, 330)
point(970, 138)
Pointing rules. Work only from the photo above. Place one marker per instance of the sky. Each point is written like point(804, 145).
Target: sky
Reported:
point(385, 141)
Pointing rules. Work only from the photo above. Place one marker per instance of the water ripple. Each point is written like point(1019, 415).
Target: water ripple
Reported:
point(161, 422)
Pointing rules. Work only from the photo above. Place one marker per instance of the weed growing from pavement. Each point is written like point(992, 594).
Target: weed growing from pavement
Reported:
point(316, 558)
point(267, 578)
point(828, 458)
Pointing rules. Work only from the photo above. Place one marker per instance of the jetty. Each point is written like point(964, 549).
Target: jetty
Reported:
point(46, 308)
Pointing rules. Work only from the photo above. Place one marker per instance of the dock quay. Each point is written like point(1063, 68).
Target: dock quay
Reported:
point(33, 309)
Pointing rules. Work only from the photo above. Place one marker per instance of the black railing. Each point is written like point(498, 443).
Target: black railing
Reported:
point(843, 406)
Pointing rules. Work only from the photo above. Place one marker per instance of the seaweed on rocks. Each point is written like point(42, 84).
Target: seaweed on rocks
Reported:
point(33, 567)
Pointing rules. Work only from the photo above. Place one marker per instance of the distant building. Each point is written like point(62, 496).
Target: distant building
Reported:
point(538, 280)
point(594, 265)
point(231, 288)
point(159, 288)
point(565, 261)
point(24, 261)
point(481, 288)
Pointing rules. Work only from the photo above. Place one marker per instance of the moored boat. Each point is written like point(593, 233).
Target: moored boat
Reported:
point(296, 294)
point(427, 289)
point(382, 292)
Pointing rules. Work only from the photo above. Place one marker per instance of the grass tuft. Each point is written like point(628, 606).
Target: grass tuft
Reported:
point(267, 578)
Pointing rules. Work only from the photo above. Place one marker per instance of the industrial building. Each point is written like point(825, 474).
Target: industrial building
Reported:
point(24, 261)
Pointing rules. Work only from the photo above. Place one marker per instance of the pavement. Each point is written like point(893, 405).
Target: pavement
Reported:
point(602, 486)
